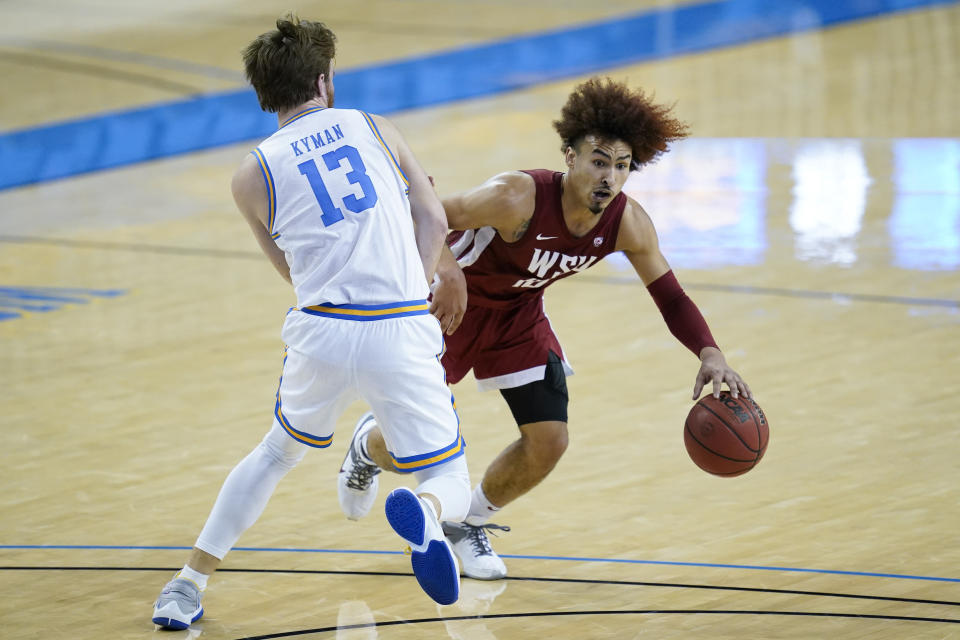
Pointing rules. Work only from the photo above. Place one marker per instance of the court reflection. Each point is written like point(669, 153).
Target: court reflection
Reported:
point(924, 226)
point(842, 202)
point(830, 182)
point(707, 199)
point(476, 598)
point(355, 621)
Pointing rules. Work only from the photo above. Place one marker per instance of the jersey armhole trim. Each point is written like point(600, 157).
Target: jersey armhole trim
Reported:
point(271, 188)
point(376, 134)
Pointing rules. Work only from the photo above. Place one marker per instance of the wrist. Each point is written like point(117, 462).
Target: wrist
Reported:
point(708, 351)
point(449, 271)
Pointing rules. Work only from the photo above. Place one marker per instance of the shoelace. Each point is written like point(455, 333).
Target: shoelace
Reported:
point(362, 474)
point(478, 537)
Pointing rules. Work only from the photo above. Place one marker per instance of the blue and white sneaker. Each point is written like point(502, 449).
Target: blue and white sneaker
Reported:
point(178, 605)
point(433, 561)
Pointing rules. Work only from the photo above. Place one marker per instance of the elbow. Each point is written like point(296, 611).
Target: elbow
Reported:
point(437, 228)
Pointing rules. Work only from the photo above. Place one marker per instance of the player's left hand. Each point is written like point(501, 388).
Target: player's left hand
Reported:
point(714, 368)
point(449, 299)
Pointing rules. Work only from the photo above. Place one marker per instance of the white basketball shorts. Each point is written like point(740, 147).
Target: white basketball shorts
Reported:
point(390, 362)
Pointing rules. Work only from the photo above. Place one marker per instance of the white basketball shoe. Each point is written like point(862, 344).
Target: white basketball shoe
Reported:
point(432, 559)
point(178, 605)
point(357, 482)
point(477, 558)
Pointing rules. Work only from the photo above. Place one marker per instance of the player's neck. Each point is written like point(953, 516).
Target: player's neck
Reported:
point(286, 114)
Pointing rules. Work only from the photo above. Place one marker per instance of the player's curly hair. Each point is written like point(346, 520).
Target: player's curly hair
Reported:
point(610, 110)
point(283, 64)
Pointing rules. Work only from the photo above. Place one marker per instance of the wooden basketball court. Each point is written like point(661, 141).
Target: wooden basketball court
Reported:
point(814, 217)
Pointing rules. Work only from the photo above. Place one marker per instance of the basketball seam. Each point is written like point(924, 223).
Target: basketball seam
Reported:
point(719, 455)
point(734, 431)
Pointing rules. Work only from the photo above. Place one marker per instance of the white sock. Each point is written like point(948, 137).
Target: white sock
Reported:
point(481, 509)
point(199, 579)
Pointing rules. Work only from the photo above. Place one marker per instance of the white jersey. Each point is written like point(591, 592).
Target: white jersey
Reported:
point(340, 212)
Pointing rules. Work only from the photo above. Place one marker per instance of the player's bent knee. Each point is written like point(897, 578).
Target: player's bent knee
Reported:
point(546, 441)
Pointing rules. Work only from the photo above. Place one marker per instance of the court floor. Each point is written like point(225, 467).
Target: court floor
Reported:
point(814, 217)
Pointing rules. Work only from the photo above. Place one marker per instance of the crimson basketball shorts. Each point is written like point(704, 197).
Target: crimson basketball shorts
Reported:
point(506, 348)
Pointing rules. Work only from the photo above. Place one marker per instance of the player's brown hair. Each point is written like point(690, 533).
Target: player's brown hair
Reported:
point(283, 64)
point(611, 110)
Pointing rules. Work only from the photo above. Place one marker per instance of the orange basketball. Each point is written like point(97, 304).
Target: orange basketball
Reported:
point(726, 436)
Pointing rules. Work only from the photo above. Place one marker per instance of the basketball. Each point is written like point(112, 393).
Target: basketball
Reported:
point(726, 436)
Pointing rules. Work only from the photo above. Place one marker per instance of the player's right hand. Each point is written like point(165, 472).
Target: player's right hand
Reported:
point(449, 299)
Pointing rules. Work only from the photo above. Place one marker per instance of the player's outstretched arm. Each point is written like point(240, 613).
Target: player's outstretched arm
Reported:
point(430, 224)
point(638, 241)
point(250, 194)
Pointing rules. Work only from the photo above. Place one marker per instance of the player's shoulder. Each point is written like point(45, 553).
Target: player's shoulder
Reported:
point(634, 212)
point(512, 191)
point(248, 169)
point(512, 185)
point(377, 119)
point(636, 228)
point(382, 126)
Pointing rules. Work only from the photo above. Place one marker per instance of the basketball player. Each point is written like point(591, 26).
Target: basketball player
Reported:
point(342, 209)
point(524, 231)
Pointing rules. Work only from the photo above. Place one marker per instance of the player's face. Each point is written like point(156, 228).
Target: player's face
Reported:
point(597, 170)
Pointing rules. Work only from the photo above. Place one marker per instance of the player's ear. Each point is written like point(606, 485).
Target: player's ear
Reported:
point(321, 86)
point(569, 156)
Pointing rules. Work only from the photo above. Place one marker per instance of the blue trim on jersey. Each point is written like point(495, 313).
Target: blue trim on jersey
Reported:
point(301, 114)
point(271, 188)
point(383, 143)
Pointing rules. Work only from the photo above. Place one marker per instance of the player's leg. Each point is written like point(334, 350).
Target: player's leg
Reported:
point(242, 499)
point(540, 410)
point(416, 517)
point(403, 381)
point(367, 455)
point(304, 398)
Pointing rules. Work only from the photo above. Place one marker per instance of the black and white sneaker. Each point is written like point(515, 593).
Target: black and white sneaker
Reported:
point(357, 482)
point(477, 559)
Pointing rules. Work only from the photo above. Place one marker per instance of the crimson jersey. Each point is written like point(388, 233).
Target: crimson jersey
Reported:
point(503, 274)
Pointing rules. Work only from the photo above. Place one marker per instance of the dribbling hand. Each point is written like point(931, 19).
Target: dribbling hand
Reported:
point(714, 368)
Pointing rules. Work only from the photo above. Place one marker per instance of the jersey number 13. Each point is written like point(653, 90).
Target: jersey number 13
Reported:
point(357, 174)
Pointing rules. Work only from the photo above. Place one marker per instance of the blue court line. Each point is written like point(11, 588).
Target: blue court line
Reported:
point(711, 565)
point(200, 122)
